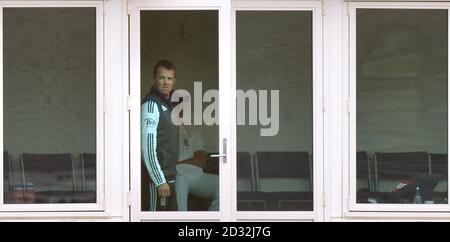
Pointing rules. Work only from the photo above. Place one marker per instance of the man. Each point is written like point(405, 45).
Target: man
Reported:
point(159, 138)
point(190, 175)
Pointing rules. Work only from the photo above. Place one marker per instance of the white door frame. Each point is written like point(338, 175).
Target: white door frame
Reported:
point(227, 72)
point(224, 108)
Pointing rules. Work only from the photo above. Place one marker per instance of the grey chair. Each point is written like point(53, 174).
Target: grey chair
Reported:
point(285, 178)
point(248, 198)
point(392, 167)
point(439, 167)
point(88, 171)
point(47, 172)
point(364, 171)
point(7, 172)
point(292, 166)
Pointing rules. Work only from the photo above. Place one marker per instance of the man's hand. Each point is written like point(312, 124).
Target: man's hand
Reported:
point(164, 190)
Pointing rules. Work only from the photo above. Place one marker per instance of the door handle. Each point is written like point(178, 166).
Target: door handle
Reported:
point(224, 155)
point(218, 155)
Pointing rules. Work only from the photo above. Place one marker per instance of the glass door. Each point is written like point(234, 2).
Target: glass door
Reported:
point(178, 145)
point(279, 115)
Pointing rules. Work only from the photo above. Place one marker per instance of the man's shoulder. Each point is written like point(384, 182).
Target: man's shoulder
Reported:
point(151, 98)
point(151, 105)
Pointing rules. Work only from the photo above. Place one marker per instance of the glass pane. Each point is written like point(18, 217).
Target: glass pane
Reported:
point(401, 122)
point(49, 95)
point(179, 51)
point(274, 98)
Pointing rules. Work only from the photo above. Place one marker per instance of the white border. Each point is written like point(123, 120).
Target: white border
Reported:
point(318, 120)
point(124, 81)
point(16, 210)
point(350, 207)
point(135, 81)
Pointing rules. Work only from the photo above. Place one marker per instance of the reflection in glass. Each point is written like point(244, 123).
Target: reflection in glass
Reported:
point(189, 41)
point(401, 92)
point(274, 52)
point(49, 95)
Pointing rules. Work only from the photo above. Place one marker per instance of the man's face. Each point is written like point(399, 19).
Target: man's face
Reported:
point(165, 81)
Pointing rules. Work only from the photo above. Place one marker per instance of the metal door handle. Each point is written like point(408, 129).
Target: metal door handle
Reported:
point(218, 155)
point(224, 155)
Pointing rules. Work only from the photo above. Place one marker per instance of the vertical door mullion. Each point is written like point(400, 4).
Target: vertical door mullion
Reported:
point(135, 153)
point(227, 109)
point(2, 195)
point(448, 104)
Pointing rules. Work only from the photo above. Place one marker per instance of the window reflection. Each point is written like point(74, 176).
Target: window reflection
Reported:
point(274, 52)
point(402, 74)
point(181, 154)
point(49, 94)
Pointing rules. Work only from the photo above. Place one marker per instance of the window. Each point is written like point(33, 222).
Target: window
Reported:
point(52, 107)
point(189, 40)
point(278, 120)
point(277, 57)
point(399, 106)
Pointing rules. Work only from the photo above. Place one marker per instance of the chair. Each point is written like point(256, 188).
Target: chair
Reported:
point(290, 171)
point(248, 199)
point(390, 168)
point(439, 167)
point(53, 176)
point(289, 201)
point(251, 201)
point(7, 177)
point(363, 171)
point(245, 174)
point(88, 171)
point(286, 180)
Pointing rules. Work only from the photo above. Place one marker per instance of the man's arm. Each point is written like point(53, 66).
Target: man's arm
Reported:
point(149, 125)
